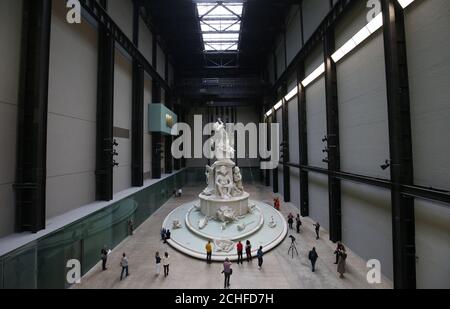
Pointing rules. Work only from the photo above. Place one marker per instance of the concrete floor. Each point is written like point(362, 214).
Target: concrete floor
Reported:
point(279, 271)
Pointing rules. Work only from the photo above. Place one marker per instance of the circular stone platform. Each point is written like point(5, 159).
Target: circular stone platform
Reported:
point(191, 240)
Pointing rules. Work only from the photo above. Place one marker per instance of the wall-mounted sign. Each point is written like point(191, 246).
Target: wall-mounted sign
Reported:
point(161, 119)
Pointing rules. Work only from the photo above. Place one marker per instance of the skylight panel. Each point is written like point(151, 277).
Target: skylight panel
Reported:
point(220, 24)
point(204, 8)
point(221, 37)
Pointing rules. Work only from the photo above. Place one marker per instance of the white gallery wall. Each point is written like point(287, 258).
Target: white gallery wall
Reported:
point(293, 33)
point(122, 120)
point(317, 130)
point(247, 115)
point(294, 155)
point(121, 12)
point(145, 41)
point(72, 103)
point(280, 167)
point(428, 43)
point(364, 135)
point(364, 142)
point(161, 66)
point(147, 134)
point(10, 36)
point(314, 11)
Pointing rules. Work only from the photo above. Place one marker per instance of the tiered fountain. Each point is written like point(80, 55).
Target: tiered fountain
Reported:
point(224, 214)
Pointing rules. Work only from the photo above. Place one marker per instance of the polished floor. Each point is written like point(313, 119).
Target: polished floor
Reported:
point(280, 270)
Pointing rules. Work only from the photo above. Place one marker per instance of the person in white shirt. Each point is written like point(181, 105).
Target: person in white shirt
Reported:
point(166, 264)
point(124, 265)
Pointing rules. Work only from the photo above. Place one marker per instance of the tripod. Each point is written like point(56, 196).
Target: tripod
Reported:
point(292, 249)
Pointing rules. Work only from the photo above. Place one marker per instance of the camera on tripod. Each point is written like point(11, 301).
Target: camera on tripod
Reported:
point(293, 248)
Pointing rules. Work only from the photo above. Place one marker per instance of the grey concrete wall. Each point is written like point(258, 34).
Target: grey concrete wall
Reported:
point(363, 119)
point(161, 64)
point(270, 69)
point(428, 41)
point(145, 41)
point(122, 119)
point(367, 224)
point(246, 115)
point(364, 142)
point(122, 13)
point(432, 245)
point(294, 151)
point(280, 167)
point(10, 34)
point(72, 105)
point(317, 129)
point(314, 11)
point(280, 56)
point(293, 33)
point(190, 120)
point(147, 135)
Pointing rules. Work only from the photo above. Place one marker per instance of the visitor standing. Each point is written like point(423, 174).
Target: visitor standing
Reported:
point(104, 256)
point(158, 264)
point(317, 226)
point(276, 203)
point(340, 248)
point(248, 251)
point(167, 236)
point(260, 256)
point(124, 265)
point(130, 227)
point(166, 264)
point(227, 271)
point(342, 264)
point(240, 253)
point(313, 256)
point(209, 250)
point(299, 223)
point(291, 221)
point(163, 234)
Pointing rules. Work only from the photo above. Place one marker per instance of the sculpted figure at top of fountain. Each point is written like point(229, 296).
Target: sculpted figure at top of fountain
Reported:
point(222, 143)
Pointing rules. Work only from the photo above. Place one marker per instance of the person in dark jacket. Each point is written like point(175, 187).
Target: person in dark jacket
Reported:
point(260, 256)
point(168, 236)
point(299, 223)
point(342, 264)
point(248, 251)
point(104, 256)
point(313, 256)
point(291, 221)
point(163, 234)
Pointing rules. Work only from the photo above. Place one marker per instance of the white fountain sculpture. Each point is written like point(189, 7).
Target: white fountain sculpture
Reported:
point(224, 179)
point(224, 203)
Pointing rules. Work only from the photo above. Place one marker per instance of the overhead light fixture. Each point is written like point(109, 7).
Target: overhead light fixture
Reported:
point(314, 75)
point(291, 94)
point(269, 113)
point(358, 38)
point(405, 3)
point(278, 105)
